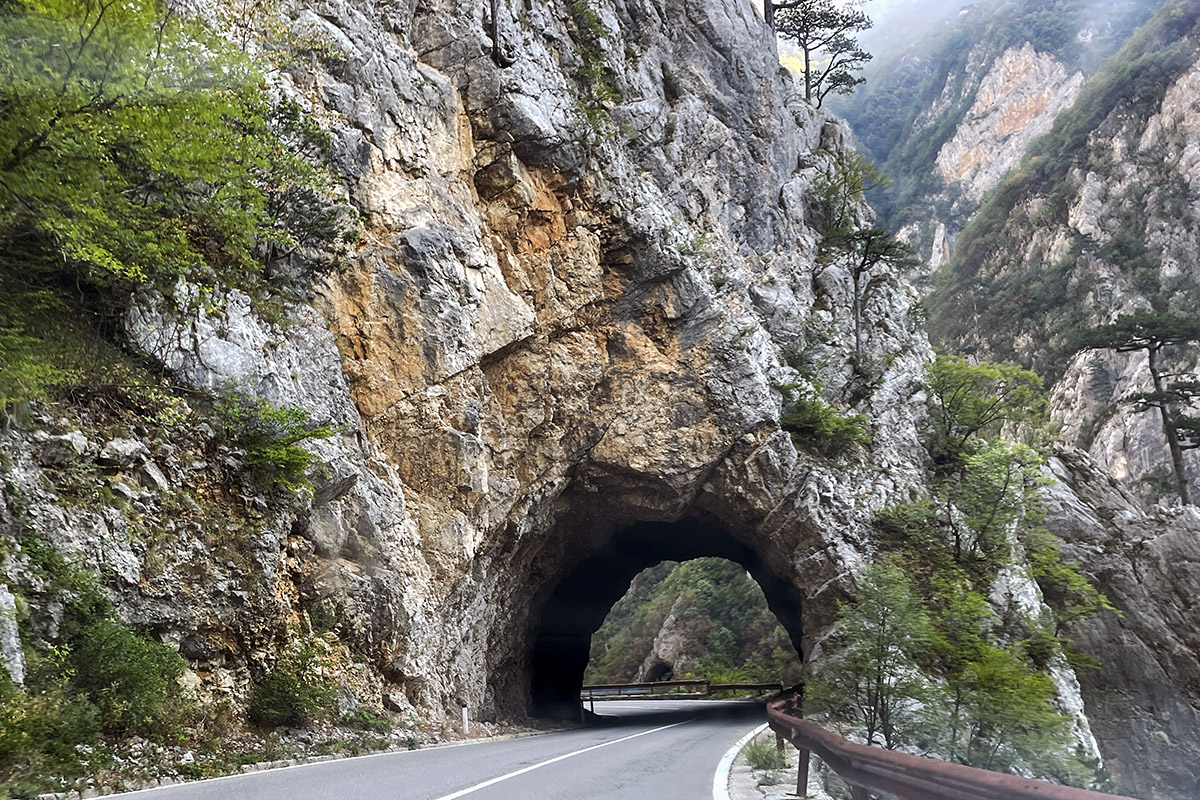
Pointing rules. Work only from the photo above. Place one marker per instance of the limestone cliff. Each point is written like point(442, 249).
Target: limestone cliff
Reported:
point(1090, 234)
point(560, 353)
point(576, 294)
point(1143, 702)
point(951, 115)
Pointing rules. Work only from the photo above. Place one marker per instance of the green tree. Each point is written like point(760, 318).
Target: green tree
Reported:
point(867, 248)
point(1003, 716)
point(993, 495)
point(139, 148)
point(842, 191)
point(824, 31)
point(974, 401)
point(1152, 332)
point(870, 674)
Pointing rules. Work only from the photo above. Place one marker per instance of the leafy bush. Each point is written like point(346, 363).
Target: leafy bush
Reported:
point(995, 705)
point(271, 437)
point(138, 147)
point(131, 679)
point(973, 402)
point(367, 720)
point(294, 693)
point(869, 675)
point(40, 729)
point(819, 429)
point(764, 755)
point(127, 158)
point(102, 678)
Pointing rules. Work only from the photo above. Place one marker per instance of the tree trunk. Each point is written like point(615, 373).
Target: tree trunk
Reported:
point(807, 75)
point(495, 31)
point(1169, 428)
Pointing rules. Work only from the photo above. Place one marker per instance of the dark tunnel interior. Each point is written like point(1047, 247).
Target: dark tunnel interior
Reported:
point(583, 598)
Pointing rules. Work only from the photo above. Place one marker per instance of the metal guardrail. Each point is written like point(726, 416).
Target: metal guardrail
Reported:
point(602, 690)
point(906, 776)
point(618, 688)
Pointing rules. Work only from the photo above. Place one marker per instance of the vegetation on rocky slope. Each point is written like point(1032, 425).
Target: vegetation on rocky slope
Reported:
point(142, 149)
point(1024, 309)
point(943, 650)
point(915, 99)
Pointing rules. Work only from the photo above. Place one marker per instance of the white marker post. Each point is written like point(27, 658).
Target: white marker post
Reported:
point(466, 726)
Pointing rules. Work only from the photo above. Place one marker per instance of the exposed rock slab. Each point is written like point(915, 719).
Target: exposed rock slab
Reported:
point(1144, 701)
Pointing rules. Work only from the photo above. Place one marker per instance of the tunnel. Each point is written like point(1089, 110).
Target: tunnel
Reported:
point(659, 671)
point(579, 602)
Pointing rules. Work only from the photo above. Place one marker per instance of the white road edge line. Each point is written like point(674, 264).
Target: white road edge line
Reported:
point(547, 762)
point(721, 776)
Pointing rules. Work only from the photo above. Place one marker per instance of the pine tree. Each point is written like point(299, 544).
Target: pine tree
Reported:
point(1153, 331)
point(824, 31)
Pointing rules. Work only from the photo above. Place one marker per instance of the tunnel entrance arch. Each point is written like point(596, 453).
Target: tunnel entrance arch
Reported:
point(579, 603)
point(659, 671)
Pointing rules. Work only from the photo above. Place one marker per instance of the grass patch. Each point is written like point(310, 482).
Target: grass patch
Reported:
point(762, 754)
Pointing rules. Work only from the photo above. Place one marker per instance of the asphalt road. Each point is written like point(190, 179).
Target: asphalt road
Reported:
point(657, 749)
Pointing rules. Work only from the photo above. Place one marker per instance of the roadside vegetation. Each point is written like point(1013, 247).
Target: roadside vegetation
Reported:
point(937, 654)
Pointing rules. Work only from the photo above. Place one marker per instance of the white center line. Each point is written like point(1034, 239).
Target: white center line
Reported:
point(540, 764)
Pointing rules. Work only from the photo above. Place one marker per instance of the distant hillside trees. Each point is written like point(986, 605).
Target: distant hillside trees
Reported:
point(824, 31)
point(714, 609)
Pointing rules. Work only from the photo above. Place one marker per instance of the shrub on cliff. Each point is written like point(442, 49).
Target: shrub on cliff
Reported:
point(131, 679)
point(294, 693)
point(271, 437)
point(137, 147)
point(819, 429)
point(98, 679)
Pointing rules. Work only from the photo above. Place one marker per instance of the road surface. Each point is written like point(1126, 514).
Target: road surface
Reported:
point(653, 749)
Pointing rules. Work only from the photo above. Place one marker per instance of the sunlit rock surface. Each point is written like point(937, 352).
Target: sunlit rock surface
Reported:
point(566, 318)
point(556, 328)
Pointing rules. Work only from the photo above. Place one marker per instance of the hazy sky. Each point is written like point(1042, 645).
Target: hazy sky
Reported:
point(899, 22)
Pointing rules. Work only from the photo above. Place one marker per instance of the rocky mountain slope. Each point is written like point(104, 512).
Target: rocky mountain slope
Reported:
point(575, 297)
point(1096, 223)
point(704, 618)
point(948, 113)
point(1061, 231)
point(1059, 142)
point(589, 282)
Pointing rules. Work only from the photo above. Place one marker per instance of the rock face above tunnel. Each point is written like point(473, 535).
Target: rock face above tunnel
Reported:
point(571, 311)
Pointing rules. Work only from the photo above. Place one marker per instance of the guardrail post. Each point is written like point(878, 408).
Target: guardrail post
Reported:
point(802, 774)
